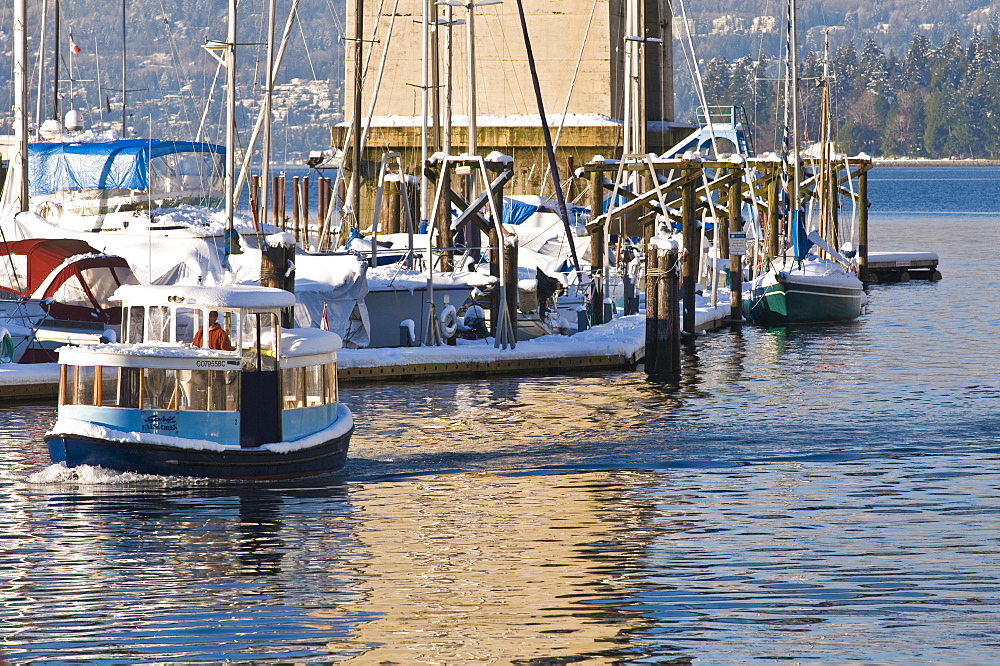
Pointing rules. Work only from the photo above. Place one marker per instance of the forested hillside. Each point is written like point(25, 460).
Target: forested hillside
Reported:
point(932, 100)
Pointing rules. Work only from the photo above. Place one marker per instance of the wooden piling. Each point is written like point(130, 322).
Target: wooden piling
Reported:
point(692, 250)
point(304, 202)
point(275, 261)
point(598, 246)
point(296, 207)
point(735, 260)
point(863, 226)
point(510, 270)
point(389, 215)
point(652, 305)
point(442, 218)
point(275, 206)
point(662, 314)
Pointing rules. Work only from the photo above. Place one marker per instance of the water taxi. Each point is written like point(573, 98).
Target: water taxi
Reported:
point(206, 383)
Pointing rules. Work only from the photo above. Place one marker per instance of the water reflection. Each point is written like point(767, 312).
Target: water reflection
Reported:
point(480, 567)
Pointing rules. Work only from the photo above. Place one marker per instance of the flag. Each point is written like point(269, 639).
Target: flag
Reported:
point(324, 321)
point(72, 45)
point(107, 103)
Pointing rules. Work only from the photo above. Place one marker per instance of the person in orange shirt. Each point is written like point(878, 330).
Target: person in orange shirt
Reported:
point(218, 338)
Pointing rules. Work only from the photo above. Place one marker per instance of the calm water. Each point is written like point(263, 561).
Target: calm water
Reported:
point(812, 494)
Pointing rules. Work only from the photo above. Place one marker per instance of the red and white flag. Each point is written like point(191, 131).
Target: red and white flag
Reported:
point(324, 321)
point(72, 45)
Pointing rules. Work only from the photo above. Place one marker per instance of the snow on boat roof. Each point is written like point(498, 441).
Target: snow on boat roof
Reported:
point(308, 341)
point(234, 296)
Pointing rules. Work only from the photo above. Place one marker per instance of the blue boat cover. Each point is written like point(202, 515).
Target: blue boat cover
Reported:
point(104, 165)
point(517, 210)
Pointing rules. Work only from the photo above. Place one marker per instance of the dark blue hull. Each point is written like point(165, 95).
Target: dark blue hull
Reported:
point(237, 465)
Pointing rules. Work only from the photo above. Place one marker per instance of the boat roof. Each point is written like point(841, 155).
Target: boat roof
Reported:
point(44, 255)
point(101, 165)
point(233, 296)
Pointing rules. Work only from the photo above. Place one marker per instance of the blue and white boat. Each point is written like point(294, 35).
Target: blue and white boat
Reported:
point(262, 405)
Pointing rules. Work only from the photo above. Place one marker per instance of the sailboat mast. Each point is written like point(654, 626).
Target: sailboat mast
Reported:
point(41, 64)
point(19, 162)
point(230, 64)
point(794, 80)
point(265, 158)
point(55, 79)
point(124, 72)
point(355, 193)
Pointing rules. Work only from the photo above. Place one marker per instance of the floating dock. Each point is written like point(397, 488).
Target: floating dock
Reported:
point(888, 267)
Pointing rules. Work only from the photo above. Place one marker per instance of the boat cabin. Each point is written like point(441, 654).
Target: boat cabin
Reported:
point(210, 365)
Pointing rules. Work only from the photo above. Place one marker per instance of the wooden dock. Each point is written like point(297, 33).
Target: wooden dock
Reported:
point(891, 267)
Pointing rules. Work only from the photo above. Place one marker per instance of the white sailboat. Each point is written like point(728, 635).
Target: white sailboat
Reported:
point(815, 283)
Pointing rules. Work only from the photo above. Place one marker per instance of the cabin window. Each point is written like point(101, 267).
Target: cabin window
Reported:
point(158, 388)
point(104, 280)
point(309, 386)
point(158, 324)
point(72, 292)
point(14, 273)
point(136, 324)
point(187, 321)
point(331, 383)
point(258, 341)
point(128, 387)
point(293, 387)
point(315, 378)
point(78, 385)
point(109, 387)
point(214, 390)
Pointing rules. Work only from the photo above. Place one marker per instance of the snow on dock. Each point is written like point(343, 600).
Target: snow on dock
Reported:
point(617, 345)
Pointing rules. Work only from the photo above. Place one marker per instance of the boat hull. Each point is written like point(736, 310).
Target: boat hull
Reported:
point(238, 464)
point(791, 302)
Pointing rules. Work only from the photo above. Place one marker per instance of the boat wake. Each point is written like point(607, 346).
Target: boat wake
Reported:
point(87, 475)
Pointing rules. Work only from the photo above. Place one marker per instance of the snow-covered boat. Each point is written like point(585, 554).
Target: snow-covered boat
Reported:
point(247, 400)
point(811, 291)
point(55, 292)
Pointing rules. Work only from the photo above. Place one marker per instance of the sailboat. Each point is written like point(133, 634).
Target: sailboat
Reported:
point(816, 283)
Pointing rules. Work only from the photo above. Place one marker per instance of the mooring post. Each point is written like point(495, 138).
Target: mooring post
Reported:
point(863, 226)
point(663, 337)
point(304, 198)
point(296, 207)
point(692, 250)
point(442, 216)
point(598, 246)
point(736, 259)
point(652, 305)
point(277, 268)
point(275, 206)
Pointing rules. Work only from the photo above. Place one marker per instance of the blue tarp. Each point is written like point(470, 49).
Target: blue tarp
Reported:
point(516, 210)
point(105, 165)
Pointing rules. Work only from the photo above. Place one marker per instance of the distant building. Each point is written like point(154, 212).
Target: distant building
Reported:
point(728, 24)
point(683, 27)
point(763, 25)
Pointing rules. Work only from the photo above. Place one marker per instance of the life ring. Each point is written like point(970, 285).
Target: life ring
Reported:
point(448, 321)
point(6, 347)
